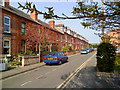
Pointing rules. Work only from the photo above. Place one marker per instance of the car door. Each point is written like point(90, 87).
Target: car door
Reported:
point(59, 56)
point(63, 56)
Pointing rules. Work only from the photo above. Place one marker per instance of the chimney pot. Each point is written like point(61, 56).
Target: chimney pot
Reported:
point(52, 23)
point(7, 3)
point(34, 15)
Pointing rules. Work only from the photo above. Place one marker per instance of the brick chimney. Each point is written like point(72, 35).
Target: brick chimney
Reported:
point(34, 15)
point(52, 23)
point(7, 3)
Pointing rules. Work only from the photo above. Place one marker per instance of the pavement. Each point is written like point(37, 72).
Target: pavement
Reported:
point(89, 78)
point(18, 70)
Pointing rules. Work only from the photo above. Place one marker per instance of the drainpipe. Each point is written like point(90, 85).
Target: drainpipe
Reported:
point(39, 51)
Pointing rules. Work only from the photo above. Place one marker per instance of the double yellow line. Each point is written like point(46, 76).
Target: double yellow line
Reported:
point(64, 84)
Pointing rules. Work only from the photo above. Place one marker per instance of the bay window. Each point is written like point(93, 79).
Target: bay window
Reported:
point(6, 46)
point(6, 24)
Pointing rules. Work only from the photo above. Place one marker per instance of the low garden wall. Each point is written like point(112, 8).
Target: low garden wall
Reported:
point(71, 52)
point(27, 60)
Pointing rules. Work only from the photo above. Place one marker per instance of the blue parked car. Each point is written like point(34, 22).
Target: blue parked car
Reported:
point(84, 51)
point(55, 57)
point(89, 50)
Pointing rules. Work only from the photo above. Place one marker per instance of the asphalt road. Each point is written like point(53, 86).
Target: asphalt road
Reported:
point(48, 76)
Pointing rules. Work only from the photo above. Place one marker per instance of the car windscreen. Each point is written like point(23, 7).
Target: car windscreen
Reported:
point(51, 54)
point(83, 50)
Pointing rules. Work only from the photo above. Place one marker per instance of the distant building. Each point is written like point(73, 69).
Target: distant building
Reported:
point(114, 37)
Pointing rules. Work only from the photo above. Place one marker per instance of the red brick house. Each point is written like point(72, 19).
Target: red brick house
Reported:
point(21, 32)
point(114, 37)
point(76, 41)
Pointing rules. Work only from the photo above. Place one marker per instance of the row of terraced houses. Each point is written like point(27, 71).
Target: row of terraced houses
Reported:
point(21, 32)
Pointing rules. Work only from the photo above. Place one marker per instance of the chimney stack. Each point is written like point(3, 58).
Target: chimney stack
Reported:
point(52, 23)
point(34, 15)
point(7, 3)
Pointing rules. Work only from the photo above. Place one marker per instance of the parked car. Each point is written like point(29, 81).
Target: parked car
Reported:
point(88, 50)
point(91, 49)
point(55, 57)
point(84, 51)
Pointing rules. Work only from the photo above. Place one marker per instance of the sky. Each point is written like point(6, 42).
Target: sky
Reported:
point(64, 7)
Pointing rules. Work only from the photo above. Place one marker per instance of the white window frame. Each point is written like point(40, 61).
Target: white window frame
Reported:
point(72, 40)
point(25, 45)
point(23, 23)
point(7, 47)
point(40, 30)
point(46, 36)
point(7, 24)
point(66, 38)
point(57, 37)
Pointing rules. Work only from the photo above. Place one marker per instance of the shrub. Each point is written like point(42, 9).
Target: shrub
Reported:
point(66, 48)
point(77, 49)
point(30, 52)
point(74, 51)
point(54, 48)
point(106, 57)
point(117, 61)
point(14, 61)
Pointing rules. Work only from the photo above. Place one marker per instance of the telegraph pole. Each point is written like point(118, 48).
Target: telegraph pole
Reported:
point(103, 25)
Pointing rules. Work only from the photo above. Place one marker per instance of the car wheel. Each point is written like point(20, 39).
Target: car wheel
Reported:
point(67, 60)
point(60, 62)
point(47, 63)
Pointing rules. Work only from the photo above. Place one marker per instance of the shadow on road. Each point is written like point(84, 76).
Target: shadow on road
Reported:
point(64, 77)
point(87, 78)
point(55, 64)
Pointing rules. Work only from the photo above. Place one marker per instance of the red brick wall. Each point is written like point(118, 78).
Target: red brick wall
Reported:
point(31, 36)
point(35, 33)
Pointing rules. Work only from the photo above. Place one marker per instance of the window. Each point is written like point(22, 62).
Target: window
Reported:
point(40, 30)
point(23, 46)
point(61, 38)
point(72, 40)
point(66, 38)
point(46, 36)
point(23, 25)
point(6, 46)
point(6, 24)
point(56, 37)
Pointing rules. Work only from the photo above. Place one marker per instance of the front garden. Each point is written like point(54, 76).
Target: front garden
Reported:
point(117, 64)
point(16, 61)
point(108, 62)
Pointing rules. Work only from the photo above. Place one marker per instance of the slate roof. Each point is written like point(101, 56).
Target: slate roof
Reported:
point(18, 12)
point(26, 16)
